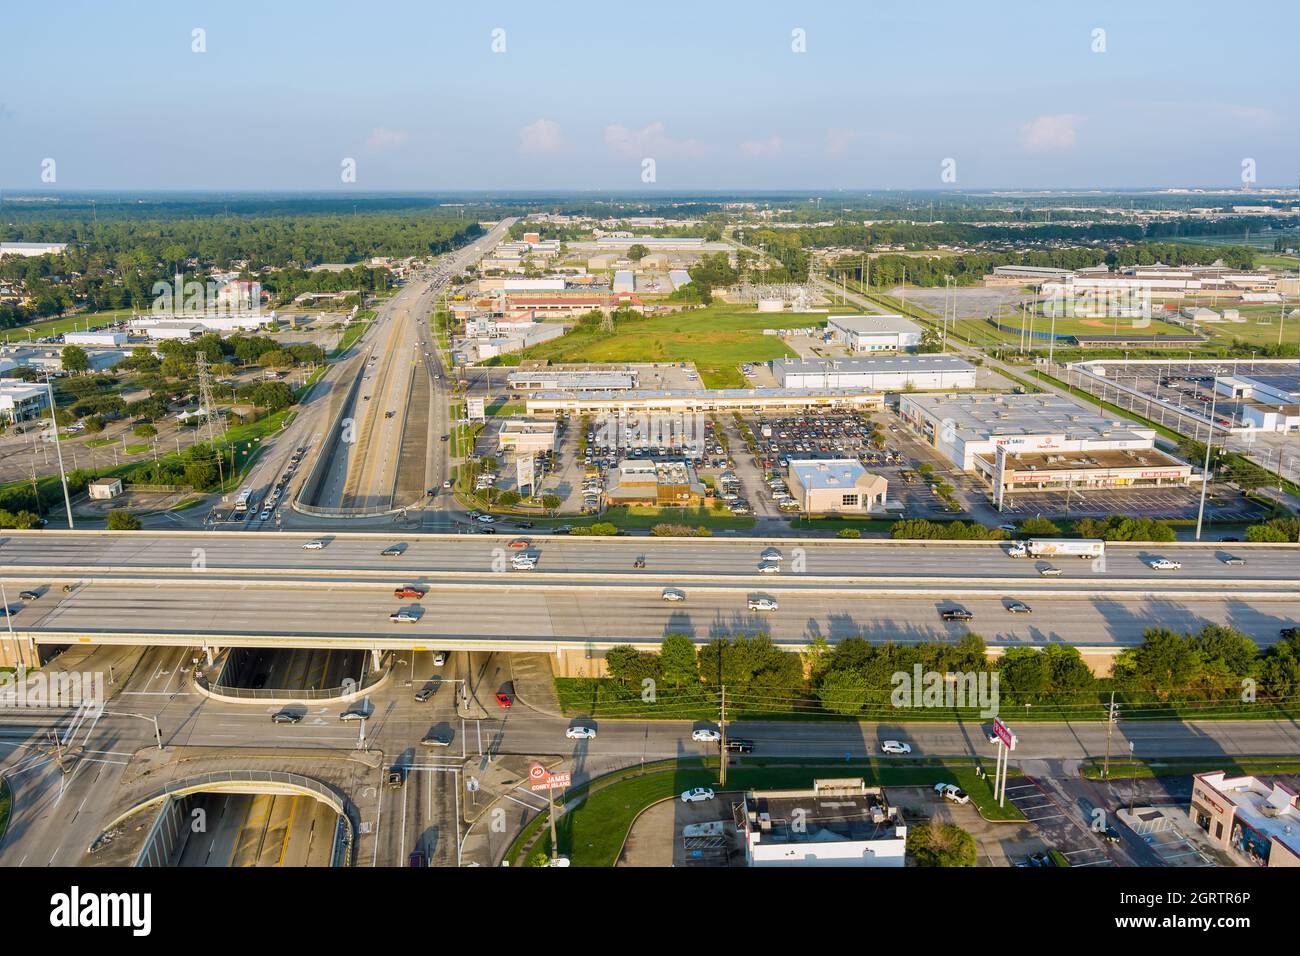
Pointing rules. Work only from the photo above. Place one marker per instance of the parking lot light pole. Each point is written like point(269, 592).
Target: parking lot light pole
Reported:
point(1209, 443)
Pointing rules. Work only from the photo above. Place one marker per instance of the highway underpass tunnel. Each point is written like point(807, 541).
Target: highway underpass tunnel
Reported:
point(293, 670)
point(239, 829)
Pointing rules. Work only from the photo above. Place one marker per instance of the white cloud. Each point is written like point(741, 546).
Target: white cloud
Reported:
point(383, 139)
point(838, 141)
point(1253, 115)
point(1050, 133)
point(768, 147)
point(653, 141)
point(542, 138)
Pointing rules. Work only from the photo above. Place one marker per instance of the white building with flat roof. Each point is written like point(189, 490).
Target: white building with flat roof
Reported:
point(874, 333)
point(835, 486)
point(885, 373)
point(839, 822)
point(95, 338)
point(963, 427)
point(21, 401)
point(527, 437)
point(31, 248)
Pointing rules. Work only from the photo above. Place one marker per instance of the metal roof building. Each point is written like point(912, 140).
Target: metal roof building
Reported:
point(881, 373)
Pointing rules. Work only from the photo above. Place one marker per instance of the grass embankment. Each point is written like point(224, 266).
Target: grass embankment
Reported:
point(1129, 769)
point(603, 697)
point(717, 339)
point(633, 519)
point(593, 832)
point(6, 806)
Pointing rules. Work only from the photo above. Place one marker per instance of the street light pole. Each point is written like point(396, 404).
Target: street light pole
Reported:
point(1209, 443)
point(54, 434)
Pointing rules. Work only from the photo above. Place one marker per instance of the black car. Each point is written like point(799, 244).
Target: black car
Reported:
point(1110, 835)
point(957, 614)
point(738, 745)
point(523, 524)
point(424, 693)
point(286, 717)
point(29, 595)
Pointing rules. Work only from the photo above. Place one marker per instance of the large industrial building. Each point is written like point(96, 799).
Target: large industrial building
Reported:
point(551, 380)
point(700, 400)
point(874, 333)
point(891, 373)
point(1270, 401)
point(836, 823)
point(835, 486)
point(1043, 442)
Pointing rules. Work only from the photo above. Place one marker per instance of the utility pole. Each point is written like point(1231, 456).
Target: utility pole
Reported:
point(54, 435)
point(722, 743)
point(1209, 443)
point(1111, 716)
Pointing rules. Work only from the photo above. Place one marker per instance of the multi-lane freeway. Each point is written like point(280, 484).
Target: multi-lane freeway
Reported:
point(235, 590)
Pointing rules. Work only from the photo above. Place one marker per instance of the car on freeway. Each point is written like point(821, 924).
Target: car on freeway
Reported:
point(503, 700)
point(426, 692)
point(772, 554)
point(435, 738)
point(673, 594)
point(390, 413)
point(1232, 559)
point(416, 859)
point(523, 562)
point(697, 795)
point(28, 595)
point(440, 659)
point(956, 614)
point(1164, 564)
point(1018, 607)
point(286, 717)
point(265, 515)
point(404, 616)
point(396, 778)
point(446, 484)
point(393, 551)
point(895, 747)
point(409, 591)
point(706, 736)
point(350, 715)
point(739, 745)
point(762, 604)
point(952, 792)
point(1050, 571)
point(313, 545)
point(769, 567)
point(580, 733)
point(519, 543)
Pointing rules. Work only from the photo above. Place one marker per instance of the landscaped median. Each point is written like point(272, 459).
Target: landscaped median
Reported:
point(593, 831)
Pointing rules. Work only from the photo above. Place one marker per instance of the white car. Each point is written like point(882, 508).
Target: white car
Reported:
point(522, 562)
point(762, 604)
point(895, 747)
point(697, 795)
point(673, 594)
point(440, 659)
point(1164, 564)
point(404, 616)
point(769, 567)
point(313, 545)
point(486, 519)
point(706, 736)
point(952, 792)
point(580, 733)
point(265, 515)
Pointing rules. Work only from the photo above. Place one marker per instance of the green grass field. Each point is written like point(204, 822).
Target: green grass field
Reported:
point(717, 339)
point(69, 323)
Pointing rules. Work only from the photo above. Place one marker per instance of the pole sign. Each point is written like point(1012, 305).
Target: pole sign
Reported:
point(474, 409)
point(1004, 733)
point(539, 779)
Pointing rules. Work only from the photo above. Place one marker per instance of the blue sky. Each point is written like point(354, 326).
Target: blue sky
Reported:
point(584, 92)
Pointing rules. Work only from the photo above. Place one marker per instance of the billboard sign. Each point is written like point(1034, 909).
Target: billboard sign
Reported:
point(474, 409)
point(1004, 733)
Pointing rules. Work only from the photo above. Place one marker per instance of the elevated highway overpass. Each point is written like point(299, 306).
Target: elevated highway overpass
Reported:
point(231, 590)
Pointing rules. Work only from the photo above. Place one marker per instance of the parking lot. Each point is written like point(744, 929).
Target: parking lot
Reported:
point(1222, 504)
point(1058, 829)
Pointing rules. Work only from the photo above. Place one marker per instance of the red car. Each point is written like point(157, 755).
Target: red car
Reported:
point(408, 592)
point(504, 699)
point(519, 543)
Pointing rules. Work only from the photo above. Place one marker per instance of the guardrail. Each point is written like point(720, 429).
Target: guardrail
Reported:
point(370, 679)
point(217, 778)
point(310, 486)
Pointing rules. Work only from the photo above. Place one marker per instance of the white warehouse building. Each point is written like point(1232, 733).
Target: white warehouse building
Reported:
point(874, 333)
point(886, 373)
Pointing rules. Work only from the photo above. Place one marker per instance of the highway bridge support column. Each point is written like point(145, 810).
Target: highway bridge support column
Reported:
point(376, 657)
